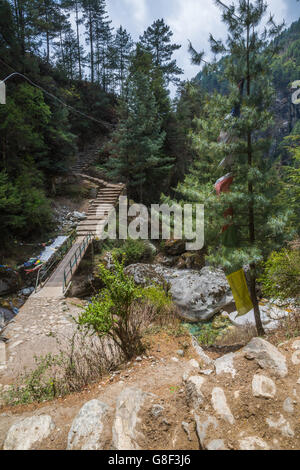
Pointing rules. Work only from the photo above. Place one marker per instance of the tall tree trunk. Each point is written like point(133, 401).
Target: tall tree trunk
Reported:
point(259, 326)
point(91, 46)
point(47, 37)
point(78, 40)
point(21, 23)
point(62, 49)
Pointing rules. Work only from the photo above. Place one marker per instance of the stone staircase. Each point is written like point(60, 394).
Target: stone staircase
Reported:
point(87, 157)
point(100, 208)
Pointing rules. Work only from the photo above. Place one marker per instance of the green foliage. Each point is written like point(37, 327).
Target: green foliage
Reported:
point(157, 40)
point(39, 385)
point(23, 204)
point(258, 218)
point(281, 277)
point(117, 311)
point(157, 296)
point(207, 333)
point(137, 144)
point(133, 251)
point(290, 186)
point(110, 313)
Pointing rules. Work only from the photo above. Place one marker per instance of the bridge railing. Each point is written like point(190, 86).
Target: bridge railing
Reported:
point(46, 270)
point(75, 260)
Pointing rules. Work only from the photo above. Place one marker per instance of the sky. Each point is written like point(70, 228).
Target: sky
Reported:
point(188, 19)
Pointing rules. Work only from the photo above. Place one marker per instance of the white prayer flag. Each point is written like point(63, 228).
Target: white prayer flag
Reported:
point(2, 93)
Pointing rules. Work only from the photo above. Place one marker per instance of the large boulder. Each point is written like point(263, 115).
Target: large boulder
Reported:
point(145, 274)
point(28, 432)
point(5, 317)
point(125, 427)
point(267, 356)
point(198, 294)
point(271, 316)
point(88, 430)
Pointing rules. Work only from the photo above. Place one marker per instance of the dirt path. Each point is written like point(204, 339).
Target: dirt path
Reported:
point(159, 373)
point(40, 327)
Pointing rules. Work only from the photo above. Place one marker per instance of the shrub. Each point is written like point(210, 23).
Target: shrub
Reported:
point(39, 385)
point(122, 309)
point(133, 251)
point(281, 277)
point(85, 360)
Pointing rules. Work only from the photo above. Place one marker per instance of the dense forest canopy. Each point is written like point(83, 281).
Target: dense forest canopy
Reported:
point(70, 49)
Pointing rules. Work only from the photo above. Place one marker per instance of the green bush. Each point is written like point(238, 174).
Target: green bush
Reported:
point(281, 277)
point(133, 251)
point(121, 310)
point(39, 385)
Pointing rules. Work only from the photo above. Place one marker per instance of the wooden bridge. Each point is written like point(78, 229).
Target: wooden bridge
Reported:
point(107, 198)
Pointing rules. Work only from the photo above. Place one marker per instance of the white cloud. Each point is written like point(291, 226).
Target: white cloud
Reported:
point(194, 20)
point(139, 10)
point(188, 19)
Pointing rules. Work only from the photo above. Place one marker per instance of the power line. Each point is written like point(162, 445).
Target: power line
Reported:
point(103, 123)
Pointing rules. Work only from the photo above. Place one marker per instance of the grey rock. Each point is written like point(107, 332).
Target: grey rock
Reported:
point(125, 432)
point(87, 430)
point(28, 291)
point(24, 434)
point(193, 363)
point(194, 395)
point(270, 317)
point(157, 410)
point(296, 358)
point(267, 356)
point(224, 365)
point(145, 275)
point(180, 352)
point(296, 344)
point(281, 425)
point(79, 215)
point(206, 371)
point(288, 405)
point(186, 428)
point(6, 316)
point(202, 356)
point(191, 368)
point(263, 387)
point(199, 294)
point(253, 443)
point(220, 405)
point(216, 444)
point(203, 424)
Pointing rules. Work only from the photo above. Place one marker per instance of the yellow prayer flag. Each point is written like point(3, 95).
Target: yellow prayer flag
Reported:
point(238, 284)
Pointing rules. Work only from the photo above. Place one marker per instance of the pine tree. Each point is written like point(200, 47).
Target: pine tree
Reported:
point(46, 16)
point(136, 149)
point(122, 50)
point(98, 36)
point(24, 21)
point(103, 41)
point(157, 40)
point(257, 224)
point(89, 7)
point(75, 6)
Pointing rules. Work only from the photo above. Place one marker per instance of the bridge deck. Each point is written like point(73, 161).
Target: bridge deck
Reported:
point(107, 197)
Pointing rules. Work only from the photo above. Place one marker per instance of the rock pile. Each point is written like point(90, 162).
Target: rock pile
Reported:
point(248, 400)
